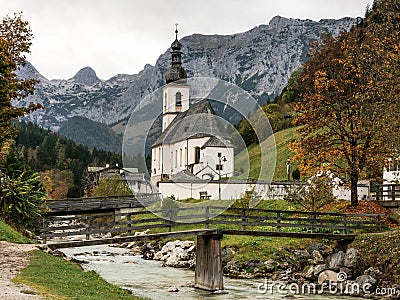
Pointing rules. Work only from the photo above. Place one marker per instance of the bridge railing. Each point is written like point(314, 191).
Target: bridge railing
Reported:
point(98, 225)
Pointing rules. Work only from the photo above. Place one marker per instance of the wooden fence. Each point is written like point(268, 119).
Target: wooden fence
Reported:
point(98, 225)
point(99, 204)
point(388, 192)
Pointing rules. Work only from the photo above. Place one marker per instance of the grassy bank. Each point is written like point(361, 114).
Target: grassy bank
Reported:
point(57, 278)
point(60, 279)
point(380, 250)
point(7, 233)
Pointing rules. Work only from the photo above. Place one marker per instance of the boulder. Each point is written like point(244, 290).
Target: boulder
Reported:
point(350, 258)
point(319, 268)
point(173, 289)
point(366, 283)
point(168, 247)
point(348, 271)
point(301, 254)
point(336, 260)
point(187, 244)
point(317, 257)
point(373, 272)
point(269, 265)
point(316, 246)
point(309, 274)
point(327, 275)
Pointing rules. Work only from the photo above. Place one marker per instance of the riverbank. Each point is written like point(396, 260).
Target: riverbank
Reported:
point(27, 273)
point(369, 267)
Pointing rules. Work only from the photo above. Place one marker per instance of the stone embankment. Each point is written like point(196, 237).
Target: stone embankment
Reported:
point(318, 265)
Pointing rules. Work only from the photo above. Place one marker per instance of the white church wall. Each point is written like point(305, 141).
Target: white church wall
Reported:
point(235, 189)
point(210, 157)
point(169, 101)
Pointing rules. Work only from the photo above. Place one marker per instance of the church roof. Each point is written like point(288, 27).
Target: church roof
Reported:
point(198, 121)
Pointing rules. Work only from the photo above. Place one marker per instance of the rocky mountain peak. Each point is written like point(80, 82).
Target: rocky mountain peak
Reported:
point(259, 61)
point(86, 76)
point(28, 71)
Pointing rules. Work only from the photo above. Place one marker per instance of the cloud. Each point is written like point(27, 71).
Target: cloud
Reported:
point(121, 36)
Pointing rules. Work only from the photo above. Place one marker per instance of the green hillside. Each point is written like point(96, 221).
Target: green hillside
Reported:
point(282, 138)
point(91, 134)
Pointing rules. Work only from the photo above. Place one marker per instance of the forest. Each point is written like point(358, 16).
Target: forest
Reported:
point(61, 162)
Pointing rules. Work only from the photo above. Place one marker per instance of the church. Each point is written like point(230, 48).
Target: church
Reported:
point(194, 144)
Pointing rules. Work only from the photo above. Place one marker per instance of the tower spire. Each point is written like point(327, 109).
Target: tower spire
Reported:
point(175, 71)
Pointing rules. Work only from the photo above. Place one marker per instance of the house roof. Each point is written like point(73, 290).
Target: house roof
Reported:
point(216, 142)
point(185, 176)
point(198, 121)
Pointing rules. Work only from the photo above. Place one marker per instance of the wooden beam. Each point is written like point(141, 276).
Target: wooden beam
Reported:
point(208, 274)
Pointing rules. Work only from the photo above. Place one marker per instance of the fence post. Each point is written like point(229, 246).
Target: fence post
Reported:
point(87, 228)
point(345, 224)
point(278, 220)
point(207, 217)
point(380, 223)
point(169, 220)
point(128, 217)
point(44, 225)
point(244, 221)
point(313, 214)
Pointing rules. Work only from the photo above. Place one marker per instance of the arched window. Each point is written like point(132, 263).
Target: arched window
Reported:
point(178, 99)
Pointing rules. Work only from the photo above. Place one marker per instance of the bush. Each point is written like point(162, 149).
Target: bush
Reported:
point(23, 196)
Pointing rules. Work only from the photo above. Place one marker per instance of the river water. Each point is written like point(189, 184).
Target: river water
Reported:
point(149, 279)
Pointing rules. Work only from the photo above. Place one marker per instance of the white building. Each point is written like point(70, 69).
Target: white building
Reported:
point(391, 180)
point(193, 138)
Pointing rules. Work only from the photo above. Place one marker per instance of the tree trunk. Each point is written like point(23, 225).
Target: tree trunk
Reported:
point(354, 190)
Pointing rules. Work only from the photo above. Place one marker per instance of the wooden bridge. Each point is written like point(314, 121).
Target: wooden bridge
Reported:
point(207, 223)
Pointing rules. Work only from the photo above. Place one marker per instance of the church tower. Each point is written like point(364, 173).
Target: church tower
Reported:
point(176, 91)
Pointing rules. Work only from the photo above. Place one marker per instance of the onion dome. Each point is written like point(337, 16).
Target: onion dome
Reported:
point(176, 71)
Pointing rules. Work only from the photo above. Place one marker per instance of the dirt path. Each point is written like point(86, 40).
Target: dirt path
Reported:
point(13, 258)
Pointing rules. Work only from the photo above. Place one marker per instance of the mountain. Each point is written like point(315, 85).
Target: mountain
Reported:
point(259, 60)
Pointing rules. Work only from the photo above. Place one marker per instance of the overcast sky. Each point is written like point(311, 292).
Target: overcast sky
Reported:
point(121, 36)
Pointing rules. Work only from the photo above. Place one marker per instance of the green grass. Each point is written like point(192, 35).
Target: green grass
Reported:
point(380, 250)
point(262, 248)
point(281, 139)
point(7, 233)
point(57, 278)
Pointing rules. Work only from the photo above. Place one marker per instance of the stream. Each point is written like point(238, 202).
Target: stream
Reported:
point(148, 278)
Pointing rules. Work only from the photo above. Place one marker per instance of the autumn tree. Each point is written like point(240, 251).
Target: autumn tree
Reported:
point(15, 42)
point(349, 104)
point(112, 186)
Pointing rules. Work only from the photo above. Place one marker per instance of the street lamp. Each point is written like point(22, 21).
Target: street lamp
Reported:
point(288, 169)
point(220, 160)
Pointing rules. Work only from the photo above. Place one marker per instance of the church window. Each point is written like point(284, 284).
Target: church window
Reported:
point(180, 157)
point(186, 158)
point(178, 99)
point(196, 155)
point(176, 158)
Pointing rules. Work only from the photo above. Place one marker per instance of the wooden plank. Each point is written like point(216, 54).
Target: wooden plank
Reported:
point(289, 234)
point(114, 240)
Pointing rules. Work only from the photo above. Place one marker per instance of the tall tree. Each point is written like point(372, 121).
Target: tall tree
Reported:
point(15, 42)
point(349, 104)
